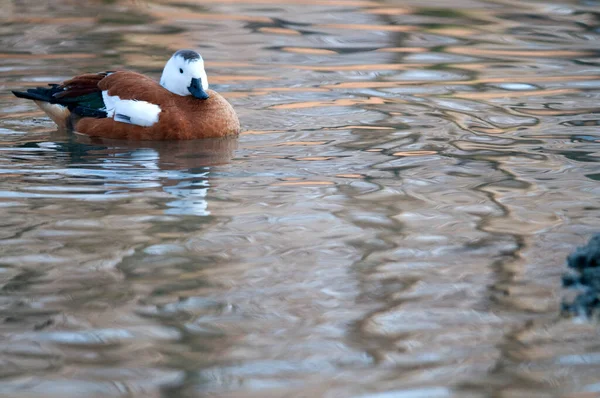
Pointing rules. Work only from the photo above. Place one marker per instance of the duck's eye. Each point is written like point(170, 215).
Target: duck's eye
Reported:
point(180, 70)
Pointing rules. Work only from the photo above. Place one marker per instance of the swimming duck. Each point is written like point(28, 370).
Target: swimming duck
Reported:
point(129, 105)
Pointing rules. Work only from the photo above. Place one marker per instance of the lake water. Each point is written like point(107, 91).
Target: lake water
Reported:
point(393, 222)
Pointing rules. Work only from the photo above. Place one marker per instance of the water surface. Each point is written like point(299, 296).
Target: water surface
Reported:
point(393, 222)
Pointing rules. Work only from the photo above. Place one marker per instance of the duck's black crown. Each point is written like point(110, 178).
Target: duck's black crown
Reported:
point(188, 55)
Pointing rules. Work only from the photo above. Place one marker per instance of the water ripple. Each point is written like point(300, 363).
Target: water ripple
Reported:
point(392, 222)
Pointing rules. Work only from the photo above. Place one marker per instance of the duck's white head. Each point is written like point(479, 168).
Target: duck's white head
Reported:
point(184, 74)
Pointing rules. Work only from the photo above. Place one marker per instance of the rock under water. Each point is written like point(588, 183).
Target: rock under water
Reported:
point(585, 276)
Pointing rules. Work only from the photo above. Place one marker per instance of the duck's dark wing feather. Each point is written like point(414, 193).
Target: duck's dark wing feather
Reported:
point(81, 94)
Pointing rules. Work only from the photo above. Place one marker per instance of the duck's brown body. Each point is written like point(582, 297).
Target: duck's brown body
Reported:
point(180, 117)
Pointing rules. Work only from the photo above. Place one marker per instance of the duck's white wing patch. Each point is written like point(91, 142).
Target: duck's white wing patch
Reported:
point(110, 102)
point(140, 113)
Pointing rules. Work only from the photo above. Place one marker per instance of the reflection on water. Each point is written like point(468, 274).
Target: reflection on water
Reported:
point(393, 222)
point(111, 170)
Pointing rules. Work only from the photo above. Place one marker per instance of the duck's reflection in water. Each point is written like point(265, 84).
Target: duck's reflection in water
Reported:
point(181, 168)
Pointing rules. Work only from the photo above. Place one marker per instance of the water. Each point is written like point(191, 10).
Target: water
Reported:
point(393, 222)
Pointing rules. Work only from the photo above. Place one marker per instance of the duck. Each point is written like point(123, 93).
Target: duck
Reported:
point(127, 105)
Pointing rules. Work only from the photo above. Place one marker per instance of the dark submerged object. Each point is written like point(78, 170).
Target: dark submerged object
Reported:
point(585, 276)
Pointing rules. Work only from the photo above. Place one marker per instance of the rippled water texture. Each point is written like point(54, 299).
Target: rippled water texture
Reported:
point(393, 222)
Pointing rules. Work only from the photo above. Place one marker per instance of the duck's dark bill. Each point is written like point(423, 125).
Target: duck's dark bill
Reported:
point(196, 89)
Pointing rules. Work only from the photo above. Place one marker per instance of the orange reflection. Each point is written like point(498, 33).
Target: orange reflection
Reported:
point(279, 31)
point(50, 20)
point(349, 3)
point(555, 112)
point(172, 13)
point(294, 89)
point(350, 175)
point(172, 42)
point(339, 102)
point(372, 84)
point(389, 11)
point(387, 28)
point(517, 53)
point(46, 56)
point(510, 94)
point(369, 67)
point(532, 79)
point(243, 94)
point(304, 50)
point(235, 78)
